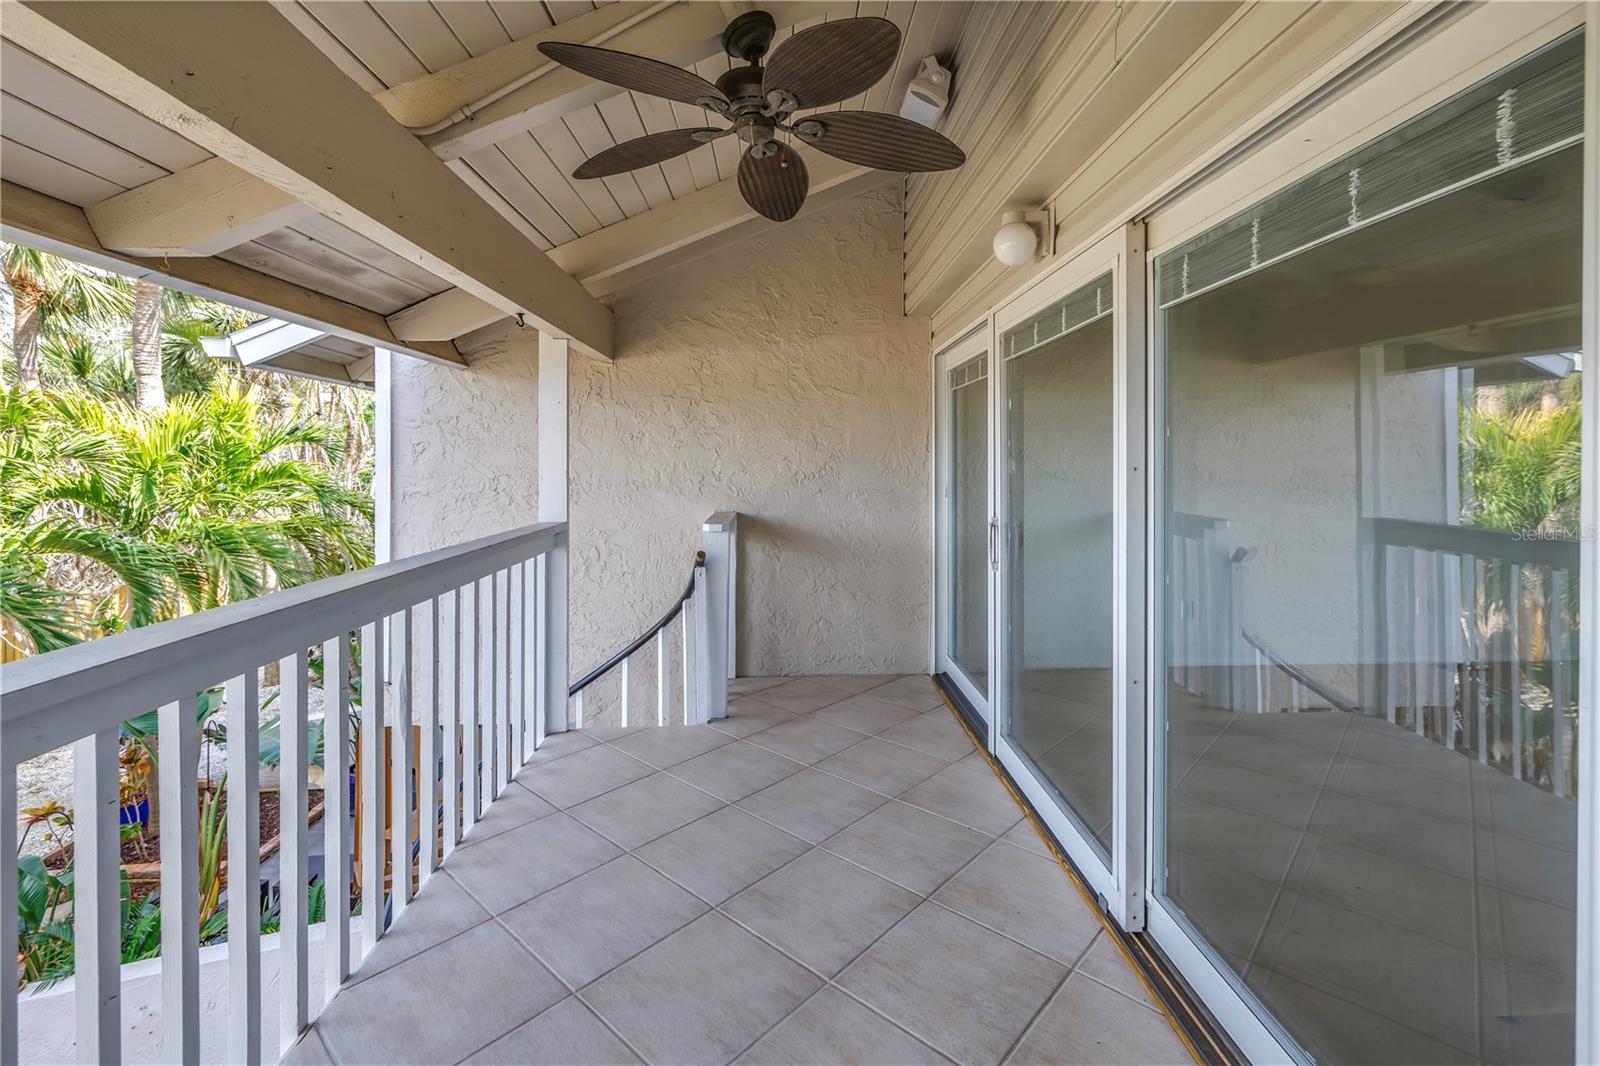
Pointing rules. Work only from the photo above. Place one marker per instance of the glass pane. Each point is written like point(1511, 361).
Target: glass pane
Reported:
point(969, 523)
point(1058, 467)
point(1371, 575)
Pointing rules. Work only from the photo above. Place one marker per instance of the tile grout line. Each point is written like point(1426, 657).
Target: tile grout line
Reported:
point(1049, 1000)
point(1075, 881)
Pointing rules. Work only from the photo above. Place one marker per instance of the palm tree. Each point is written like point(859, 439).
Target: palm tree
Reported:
point(1526, 466)
point(205, 501)
point(52, 296)
point(149, 392)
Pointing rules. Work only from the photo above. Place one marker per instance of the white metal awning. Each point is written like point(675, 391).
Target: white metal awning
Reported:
point(292, 348)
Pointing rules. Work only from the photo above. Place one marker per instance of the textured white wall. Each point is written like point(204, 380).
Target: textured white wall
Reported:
point(775, 378)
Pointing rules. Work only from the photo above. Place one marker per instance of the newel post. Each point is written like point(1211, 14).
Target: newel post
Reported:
point(719, 540)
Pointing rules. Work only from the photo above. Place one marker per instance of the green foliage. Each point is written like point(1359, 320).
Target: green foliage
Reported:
point(1526, 463)
point(205, 502)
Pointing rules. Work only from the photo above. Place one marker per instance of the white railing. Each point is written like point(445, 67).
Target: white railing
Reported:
point(452, 644)
point(705, 614)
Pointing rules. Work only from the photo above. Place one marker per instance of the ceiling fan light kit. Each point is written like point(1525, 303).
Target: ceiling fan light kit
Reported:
point(814, 68)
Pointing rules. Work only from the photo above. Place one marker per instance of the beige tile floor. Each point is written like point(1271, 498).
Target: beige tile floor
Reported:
point(831, 874)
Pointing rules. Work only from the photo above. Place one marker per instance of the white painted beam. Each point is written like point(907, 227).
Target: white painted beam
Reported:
point(443, 317)
point(457, 92)
point(202, 210)
point(620, 254)
point(38, 220)
point(282, 111)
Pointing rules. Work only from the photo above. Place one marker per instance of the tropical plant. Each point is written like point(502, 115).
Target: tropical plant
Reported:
point(201, 503)
point(44, 942)
point(1525, 472)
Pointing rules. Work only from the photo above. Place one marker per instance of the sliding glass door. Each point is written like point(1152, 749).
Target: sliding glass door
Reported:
point(1065, 414)
point(1372, 391)
point(965, 543)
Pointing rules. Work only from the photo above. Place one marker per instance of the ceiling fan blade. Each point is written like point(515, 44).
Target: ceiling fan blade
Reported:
point(884, 142)
point(774, 185)
point(643, 152)
point(633, 72)
point(833, 61)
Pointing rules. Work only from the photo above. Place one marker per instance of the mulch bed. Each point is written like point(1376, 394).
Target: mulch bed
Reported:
point(143, 856)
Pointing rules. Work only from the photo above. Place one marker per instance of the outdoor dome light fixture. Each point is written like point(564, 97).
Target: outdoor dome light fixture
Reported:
point(1018, 240)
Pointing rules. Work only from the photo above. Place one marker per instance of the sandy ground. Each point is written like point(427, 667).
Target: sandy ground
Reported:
point(50, 776)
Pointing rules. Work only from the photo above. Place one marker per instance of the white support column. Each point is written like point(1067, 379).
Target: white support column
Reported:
point(97, 899)
point(552, 613)
point(382, 455)
point(719, 538)
point(1588, 653)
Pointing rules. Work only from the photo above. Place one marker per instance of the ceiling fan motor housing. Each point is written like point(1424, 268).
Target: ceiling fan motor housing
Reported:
point(749, 35)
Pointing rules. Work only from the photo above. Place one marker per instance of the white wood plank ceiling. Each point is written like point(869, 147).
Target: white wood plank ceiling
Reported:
point(386, 42)
point(64, 138)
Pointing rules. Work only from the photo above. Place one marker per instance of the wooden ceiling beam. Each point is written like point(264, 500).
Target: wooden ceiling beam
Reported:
point(279, 109)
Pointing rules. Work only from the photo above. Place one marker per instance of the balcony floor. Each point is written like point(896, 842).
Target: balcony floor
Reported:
point(831, 874)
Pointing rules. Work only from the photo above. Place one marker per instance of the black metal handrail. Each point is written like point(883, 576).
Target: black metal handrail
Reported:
point(1340, 703)
point(677, 608)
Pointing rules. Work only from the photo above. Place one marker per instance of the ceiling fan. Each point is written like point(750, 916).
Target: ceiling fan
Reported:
point(816, 67)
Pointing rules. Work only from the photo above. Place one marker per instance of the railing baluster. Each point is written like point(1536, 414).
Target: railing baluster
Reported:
point(1513, 645)
point(449, 606)
point(577, 710)
point(702, 647)
point(530, 658)
point(625, 679)
point(1483, 653)
point(336, 810)
point(8, 907)
point(244, 867)
point(428, 751)
point(688, 662)
point(179, 746)
point(293, 979)
point(661, 676)
point(488, 689)
point(372, 850)
point(468, 600)
point(400, 763)
point(1558, 682)
point(514, 672)
point(502, 680)
point(97, 899)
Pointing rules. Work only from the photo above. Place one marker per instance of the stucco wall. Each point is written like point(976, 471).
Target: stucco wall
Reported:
point(775, 378)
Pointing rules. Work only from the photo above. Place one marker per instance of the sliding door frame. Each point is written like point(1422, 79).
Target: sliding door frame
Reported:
point(1462, 52)
point(1120, 883)
point(974, 343)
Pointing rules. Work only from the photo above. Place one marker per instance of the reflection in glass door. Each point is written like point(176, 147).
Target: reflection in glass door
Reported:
point(1058, 381)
